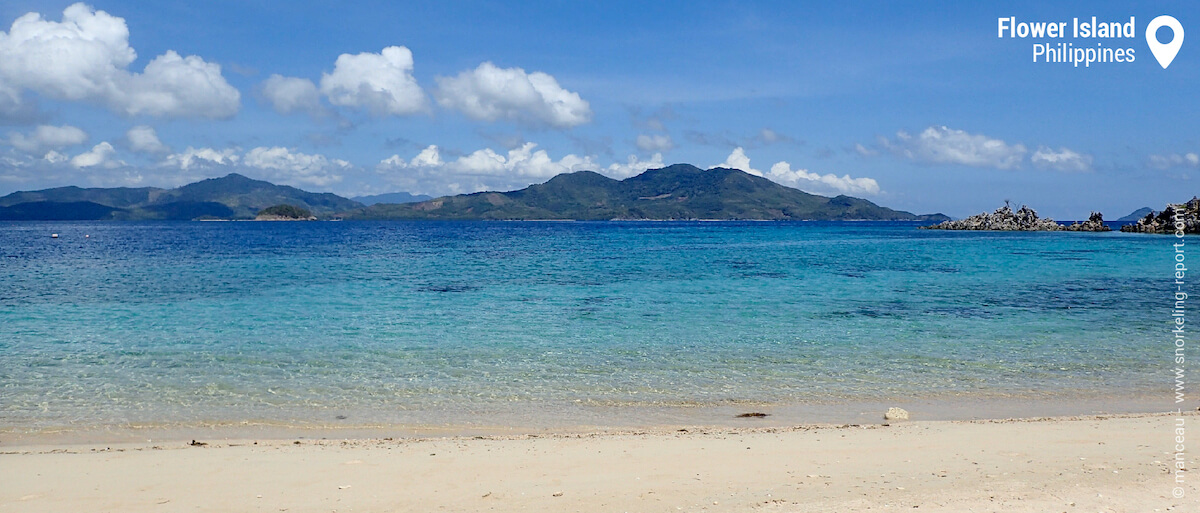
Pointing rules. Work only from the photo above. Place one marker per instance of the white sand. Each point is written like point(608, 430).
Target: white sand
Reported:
point(1079, 464)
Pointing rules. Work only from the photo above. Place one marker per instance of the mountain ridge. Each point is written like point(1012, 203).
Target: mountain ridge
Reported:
point(392, 197)
point(232, 196)
point(676, 192)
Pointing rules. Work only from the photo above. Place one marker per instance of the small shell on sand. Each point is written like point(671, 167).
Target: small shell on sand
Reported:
point(894, 413)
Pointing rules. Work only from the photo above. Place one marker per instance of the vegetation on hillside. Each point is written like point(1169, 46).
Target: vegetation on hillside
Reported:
point(680, 191)
point(285, 211)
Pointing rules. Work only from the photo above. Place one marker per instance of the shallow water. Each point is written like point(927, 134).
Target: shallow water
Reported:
point(437, 323)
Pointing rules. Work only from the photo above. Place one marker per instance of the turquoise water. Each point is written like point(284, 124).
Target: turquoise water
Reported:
point(446, 322)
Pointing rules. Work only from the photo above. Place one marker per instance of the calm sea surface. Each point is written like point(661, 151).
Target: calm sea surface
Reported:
point(444, 323)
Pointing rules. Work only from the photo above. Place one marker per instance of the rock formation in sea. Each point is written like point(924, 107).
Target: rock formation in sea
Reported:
point(1024, 219)
point(1165, 221)
point(1095, 223)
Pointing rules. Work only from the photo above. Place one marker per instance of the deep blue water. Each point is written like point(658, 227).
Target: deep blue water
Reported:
point(433, 321)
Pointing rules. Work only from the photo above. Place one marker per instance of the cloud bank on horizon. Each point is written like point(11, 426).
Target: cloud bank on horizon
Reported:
point(356, 117)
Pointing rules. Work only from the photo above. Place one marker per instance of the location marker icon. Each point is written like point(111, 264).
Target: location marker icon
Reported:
point(1164, 52)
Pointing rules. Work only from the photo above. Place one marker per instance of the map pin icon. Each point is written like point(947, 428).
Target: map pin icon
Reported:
point(1165, 53)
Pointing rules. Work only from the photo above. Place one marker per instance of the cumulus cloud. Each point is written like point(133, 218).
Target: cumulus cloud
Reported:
point(737, 159)
point(144, 139)
point(199, 158)
point(178, 86)
point(55, 157)
point(430, 157)
point(491, 93)
point(656, 142)
point(782, 173)
point(520, 162)
point(480, 170)
point(1171, 160)
point(12, 106)
point(1063, 159)
point(291, 94)
point(802, 179)
point(380, 83)
point(942, 145)
point(101, 155)
point(634, 166)
point(86, 56)
point(47, 137)
point(289, 166)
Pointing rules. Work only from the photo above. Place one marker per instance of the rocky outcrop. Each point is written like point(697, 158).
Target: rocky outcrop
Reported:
point(1165, 222)
point(1095, 223)
point(1024, 219)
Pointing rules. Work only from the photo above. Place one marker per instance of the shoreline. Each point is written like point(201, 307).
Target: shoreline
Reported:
point(543, 421)
point(1117, 462)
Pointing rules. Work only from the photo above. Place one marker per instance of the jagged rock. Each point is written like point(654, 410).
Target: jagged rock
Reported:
point(1095, 223)
point(1164, 222)
point(1024, 219)
point(895, 413)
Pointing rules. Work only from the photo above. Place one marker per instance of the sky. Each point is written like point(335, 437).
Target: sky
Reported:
point(917, 106)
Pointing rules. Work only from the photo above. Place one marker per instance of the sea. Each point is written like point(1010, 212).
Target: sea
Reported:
point(460, 327)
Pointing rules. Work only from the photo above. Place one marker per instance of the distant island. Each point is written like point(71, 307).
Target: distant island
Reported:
point(392, 197)
point(230, 197)
point(1024, 219)
point(1165, 221)
point(677, 192)
point(1136, 215)
point(285, 213)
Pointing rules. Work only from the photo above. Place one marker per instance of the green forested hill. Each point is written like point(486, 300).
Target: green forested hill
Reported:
point(680, 191)
point(230, 197)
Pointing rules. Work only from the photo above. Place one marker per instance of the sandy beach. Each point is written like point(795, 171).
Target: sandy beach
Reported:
point(1087, 463)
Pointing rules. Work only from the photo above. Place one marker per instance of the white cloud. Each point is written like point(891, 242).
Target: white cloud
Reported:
point(491, 93)
point(634, 166)
point(654, 142)
point(11, 105)
point(78, 58)
point(54, 157)
point(1064, 159)
point(193, 158)
point(101, 155)
point(480, 170)
point(942, 145)
point(47, 137)
point(1175, 160)
point(144, 139)
point(290, 94)
point(179, 86)
point(519, 162)
point(85, 56)
point(429, 157)
point(737, 159)
point(288, 166)
point(381, 83)
point(782, 173)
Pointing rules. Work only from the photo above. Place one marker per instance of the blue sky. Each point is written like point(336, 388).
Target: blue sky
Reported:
point(912, 105)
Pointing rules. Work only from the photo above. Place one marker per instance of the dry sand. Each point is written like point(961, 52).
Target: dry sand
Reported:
point(1077, 464)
